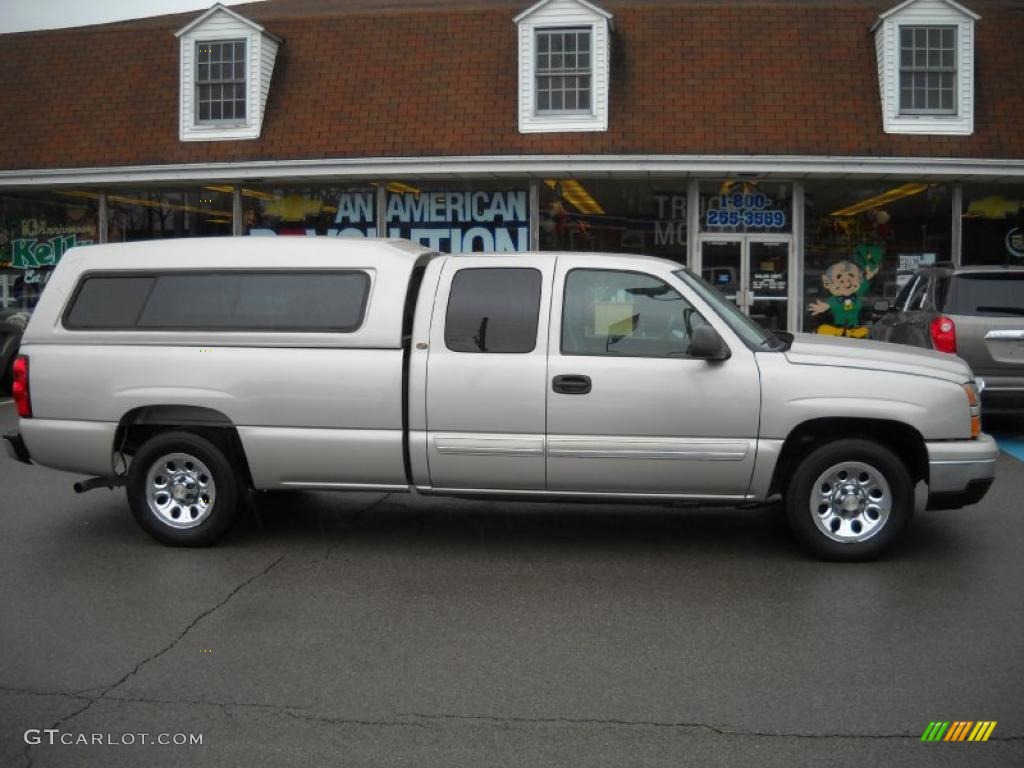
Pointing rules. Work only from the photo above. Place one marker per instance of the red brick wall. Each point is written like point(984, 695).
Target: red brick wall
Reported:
point(775, 77)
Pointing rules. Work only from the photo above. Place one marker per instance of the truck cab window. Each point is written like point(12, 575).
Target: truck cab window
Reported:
point(493, 310)
point(629, 314)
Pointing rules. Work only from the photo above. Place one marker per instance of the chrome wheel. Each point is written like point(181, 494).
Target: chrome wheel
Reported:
point(850, 502)
point(180, 490)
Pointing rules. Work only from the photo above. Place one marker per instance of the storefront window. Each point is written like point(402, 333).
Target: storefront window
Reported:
point(863, 240)
point(460, 218)
point(157, 213)
point(329, 210)
point(36, 230)
point(735, 206)
point(614, 217)
point(993, 224)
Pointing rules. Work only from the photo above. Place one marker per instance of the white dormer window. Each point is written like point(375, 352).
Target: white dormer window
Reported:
point(226, 64)
point(563, 67)
point(926, 67)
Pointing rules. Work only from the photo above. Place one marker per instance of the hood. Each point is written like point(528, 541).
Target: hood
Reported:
point(815, 349)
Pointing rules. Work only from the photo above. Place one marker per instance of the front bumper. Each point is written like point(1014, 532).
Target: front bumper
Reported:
point(960, 472)
point(16, 448)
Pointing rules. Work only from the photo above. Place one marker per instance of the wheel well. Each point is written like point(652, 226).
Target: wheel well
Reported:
point(140, 424)
point(902, 439)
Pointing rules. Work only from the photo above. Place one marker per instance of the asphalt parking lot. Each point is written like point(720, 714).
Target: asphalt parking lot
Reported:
point(381, 630)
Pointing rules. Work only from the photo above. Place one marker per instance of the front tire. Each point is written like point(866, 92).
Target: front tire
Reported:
point(183, 490)
point(849, 500)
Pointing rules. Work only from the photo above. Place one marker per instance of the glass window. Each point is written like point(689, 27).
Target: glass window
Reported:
point(36, 230)
point(274, 302)
point(331, 210)
point(630, 314)
point(995, 294)
point(108, 302)
point(927, 70)
point(493, 310)
point(992, 231)
point(150, 214)
point(474, 217)
point(220, 81)
point(745, 206)
point(917, 295)
point(748, 329)
point(863, 241)
point(900, 302)
point(614, 217)
point(563, 71)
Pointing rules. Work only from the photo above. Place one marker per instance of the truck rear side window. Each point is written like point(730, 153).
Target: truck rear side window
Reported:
point(493, 310)
point(222, 301)
point(109, 302)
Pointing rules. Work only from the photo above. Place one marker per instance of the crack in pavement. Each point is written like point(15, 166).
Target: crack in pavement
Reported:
point(425, 720)
point(722, 730)
point(90, 700)
point(411, 718)
point(35, 692)
point(191, 625)
point(353, 721)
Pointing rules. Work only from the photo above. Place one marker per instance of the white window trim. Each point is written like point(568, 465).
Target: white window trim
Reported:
point(930, 13)
point(587, 16)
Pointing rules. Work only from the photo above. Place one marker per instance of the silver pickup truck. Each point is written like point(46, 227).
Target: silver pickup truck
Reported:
point(192, 371)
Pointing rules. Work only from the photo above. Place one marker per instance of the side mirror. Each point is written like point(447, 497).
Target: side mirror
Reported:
point(706, 344)
point(881, 307)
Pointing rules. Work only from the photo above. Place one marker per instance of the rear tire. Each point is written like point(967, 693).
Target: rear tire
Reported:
point(183, 490)
point(849, 500)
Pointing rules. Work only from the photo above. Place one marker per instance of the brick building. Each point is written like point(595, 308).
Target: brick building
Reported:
point(757, 141)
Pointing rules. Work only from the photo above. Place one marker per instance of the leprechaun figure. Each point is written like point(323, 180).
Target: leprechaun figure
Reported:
point(847, 281)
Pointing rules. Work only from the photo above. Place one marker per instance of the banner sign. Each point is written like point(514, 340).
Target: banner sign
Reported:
point(42, 245)
point(748, 209)
point(461, 222)
point(454, 222)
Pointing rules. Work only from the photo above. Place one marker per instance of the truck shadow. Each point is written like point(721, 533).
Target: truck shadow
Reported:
point(401, 523)
point(395, 519)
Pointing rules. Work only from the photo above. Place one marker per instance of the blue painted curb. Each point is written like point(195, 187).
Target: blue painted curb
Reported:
point(1011, 445)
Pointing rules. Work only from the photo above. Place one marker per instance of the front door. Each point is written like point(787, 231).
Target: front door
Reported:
point(627, 409)
point(753, 272)
point(487, 372)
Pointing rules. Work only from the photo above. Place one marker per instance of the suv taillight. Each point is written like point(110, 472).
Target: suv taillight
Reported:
point(944, 334)
point(20, 388)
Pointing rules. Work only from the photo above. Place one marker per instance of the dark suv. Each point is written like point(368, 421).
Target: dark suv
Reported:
point(974, 312)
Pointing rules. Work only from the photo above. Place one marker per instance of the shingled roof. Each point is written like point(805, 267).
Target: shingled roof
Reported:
point(410, 78)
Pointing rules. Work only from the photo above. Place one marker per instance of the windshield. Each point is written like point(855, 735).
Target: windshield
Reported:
point(753, 335)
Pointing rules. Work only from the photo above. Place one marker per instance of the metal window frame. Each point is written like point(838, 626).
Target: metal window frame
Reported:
point(244, 81)
point(563, 72)
point(911, 70)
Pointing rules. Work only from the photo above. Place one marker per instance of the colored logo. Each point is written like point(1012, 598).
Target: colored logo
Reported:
point(959, 730)
point(1015, 242)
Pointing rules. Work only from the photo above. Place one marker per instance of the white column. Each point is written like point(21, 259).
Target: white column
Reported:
point(534, 214)
point(956, 242)
point(794, 322)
